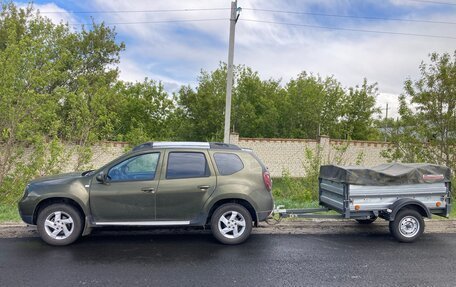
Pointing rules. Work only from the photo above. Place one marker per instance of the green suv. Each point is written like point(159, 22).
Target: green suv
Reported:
point(217, 185)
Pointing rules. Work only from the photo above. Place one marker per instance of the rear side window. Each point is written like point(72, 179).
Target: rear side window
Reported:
point(187, 165)
point(228, 163)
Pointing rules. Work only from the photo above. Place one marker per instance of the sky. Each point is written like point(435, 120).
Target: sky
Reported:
point(277, 38)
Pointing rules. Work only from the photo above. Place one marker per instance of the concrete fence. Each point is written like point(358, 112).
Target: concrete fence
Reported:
point(290, 154)
point(277, 154)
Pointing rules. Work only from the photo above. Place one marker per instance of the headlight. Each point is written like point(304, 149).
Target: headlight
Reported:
point(26, 191)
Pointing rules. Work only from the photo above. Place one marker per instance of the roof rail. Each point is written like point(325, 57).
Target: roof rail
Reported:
point(150, 145)
point(143, 146)
point(181, 144)
point(218, 145)
point(201, 145)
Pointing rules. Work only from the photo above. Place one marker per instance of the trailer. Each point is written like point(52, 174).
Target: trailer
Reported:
point(402, 194)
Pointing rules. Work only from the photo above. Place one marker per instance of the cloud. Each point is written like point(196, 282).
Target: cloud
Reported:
point(176, 52)
point(52, 11)
point(350, 56)
point(131, 71)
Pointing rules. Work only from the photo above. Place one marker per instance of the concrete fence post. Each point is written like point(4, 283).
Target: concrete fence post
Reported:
point(325, 148)
point(234, 138)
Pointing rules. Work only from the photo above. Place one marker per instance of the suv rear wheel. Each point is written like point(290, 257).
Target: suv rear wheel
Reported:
point(59, 224)
point(231, 224)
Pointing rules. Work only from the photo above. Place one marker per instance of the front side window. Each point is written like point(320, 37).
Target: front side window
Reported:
point(140, 167)
point(187, 165)
point(228, 163)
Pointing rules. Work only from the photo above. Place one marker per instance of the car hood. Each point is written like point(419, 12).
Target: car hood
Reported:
point(56, 179)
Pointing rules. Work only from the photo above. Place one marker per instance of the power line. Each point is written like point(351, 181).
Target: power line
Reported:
point(260, 10)
point(149, 22)
point(350, 29)
point(272, 22)
point(434, 2)
point(350, 16)
point(134, 11)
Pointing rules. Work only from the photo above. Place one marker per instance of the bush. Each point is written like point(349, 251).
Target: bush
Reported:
point(43, 159)
point(304, 190)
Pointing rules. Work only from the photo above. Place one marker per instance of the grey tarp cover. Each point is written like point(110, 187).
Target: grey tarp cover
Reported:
point(386, 174)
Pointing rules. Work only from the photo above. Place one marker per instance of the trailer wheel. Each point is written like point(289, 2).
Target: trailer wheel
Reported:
point(367, 221)
point(407, 226)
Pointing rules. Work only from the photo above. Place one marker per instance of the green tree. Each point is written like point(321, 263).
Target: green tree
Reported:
point(87, 77)
point(331, 112)
point(28, 106)
point(305, 108)
point(145, 112)
point(201, 111)
point(358, 112)
point(426, 131)
point(256, 105)
point(254, 108)
point(302, 106)
point(55, 85)
point(312, 106)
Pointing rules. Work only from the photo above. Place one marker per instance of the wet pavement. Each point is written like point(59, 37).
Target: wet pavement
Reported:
point(198, 260)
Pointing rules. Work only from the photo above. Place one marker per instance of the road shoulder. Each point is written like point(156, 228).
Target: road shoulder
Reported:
point(20, 230)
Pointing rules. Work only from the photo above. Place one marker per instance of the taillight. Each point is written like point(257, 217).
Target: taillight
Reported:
point(267, 180)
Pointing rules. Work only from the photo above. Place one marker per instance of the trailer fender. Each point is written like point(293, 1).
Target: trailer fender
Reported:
point(411, 203)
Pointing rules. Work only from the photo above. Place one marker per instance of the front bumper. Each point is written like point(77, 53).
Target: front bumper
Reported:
point(25, 211)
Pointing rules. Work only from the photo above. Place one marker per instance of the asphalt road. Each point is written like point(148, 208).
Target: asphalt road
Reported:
point(198, 260)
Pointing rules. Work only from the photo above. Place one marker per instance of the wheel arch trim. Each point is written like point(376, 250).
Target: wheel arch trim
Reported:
point(409, 203)
point(241, 201)
point(59, 199)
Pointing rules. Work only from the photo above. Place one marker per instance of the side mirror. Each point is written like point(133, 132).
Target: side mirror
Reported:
point(101, 177)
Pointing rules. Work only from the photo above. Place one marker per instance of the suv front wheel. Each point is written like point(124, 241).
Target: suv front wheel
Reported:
point(59, 224)
point(231, 224)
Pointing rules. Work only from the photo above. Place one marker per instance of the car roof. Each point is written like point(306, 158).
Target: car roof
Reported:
point(193, 145)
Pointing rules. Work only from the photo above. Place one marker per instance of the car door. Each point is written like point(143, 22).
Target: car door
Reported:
point(187, 181)
point(128, 195)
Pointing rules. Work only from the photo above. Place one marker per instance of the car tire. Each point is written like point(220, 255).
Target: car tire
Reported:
point(367, 221)
point(59, 224)
point(408, 225)
point(231, 224)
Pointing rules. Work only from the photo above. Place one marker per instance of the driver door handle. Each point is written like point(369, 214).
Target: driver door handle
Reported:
point(204, 187)
point(148, 189)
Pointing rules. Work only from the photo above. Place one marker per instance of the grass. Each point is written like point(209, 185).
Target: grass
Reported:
point(9, 213)
point(289, 197)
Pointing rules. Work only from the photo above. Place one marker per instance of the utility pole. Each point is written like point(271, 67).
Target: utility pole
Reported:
point(386, 121)
point(229, 74)
point(386, 115)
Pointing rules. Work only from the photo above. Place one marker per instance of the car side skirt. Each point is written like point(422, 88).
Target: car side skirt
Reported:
point(142, 223)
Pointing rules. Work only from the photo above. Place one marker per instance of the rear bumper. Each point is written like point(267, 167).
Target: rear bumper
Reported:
point(445, 212)
point(263, 215)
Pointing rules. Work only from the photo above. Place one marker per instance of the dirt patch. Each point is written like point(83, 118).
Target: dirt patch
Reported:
point(18, 230)
point(345, 227)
